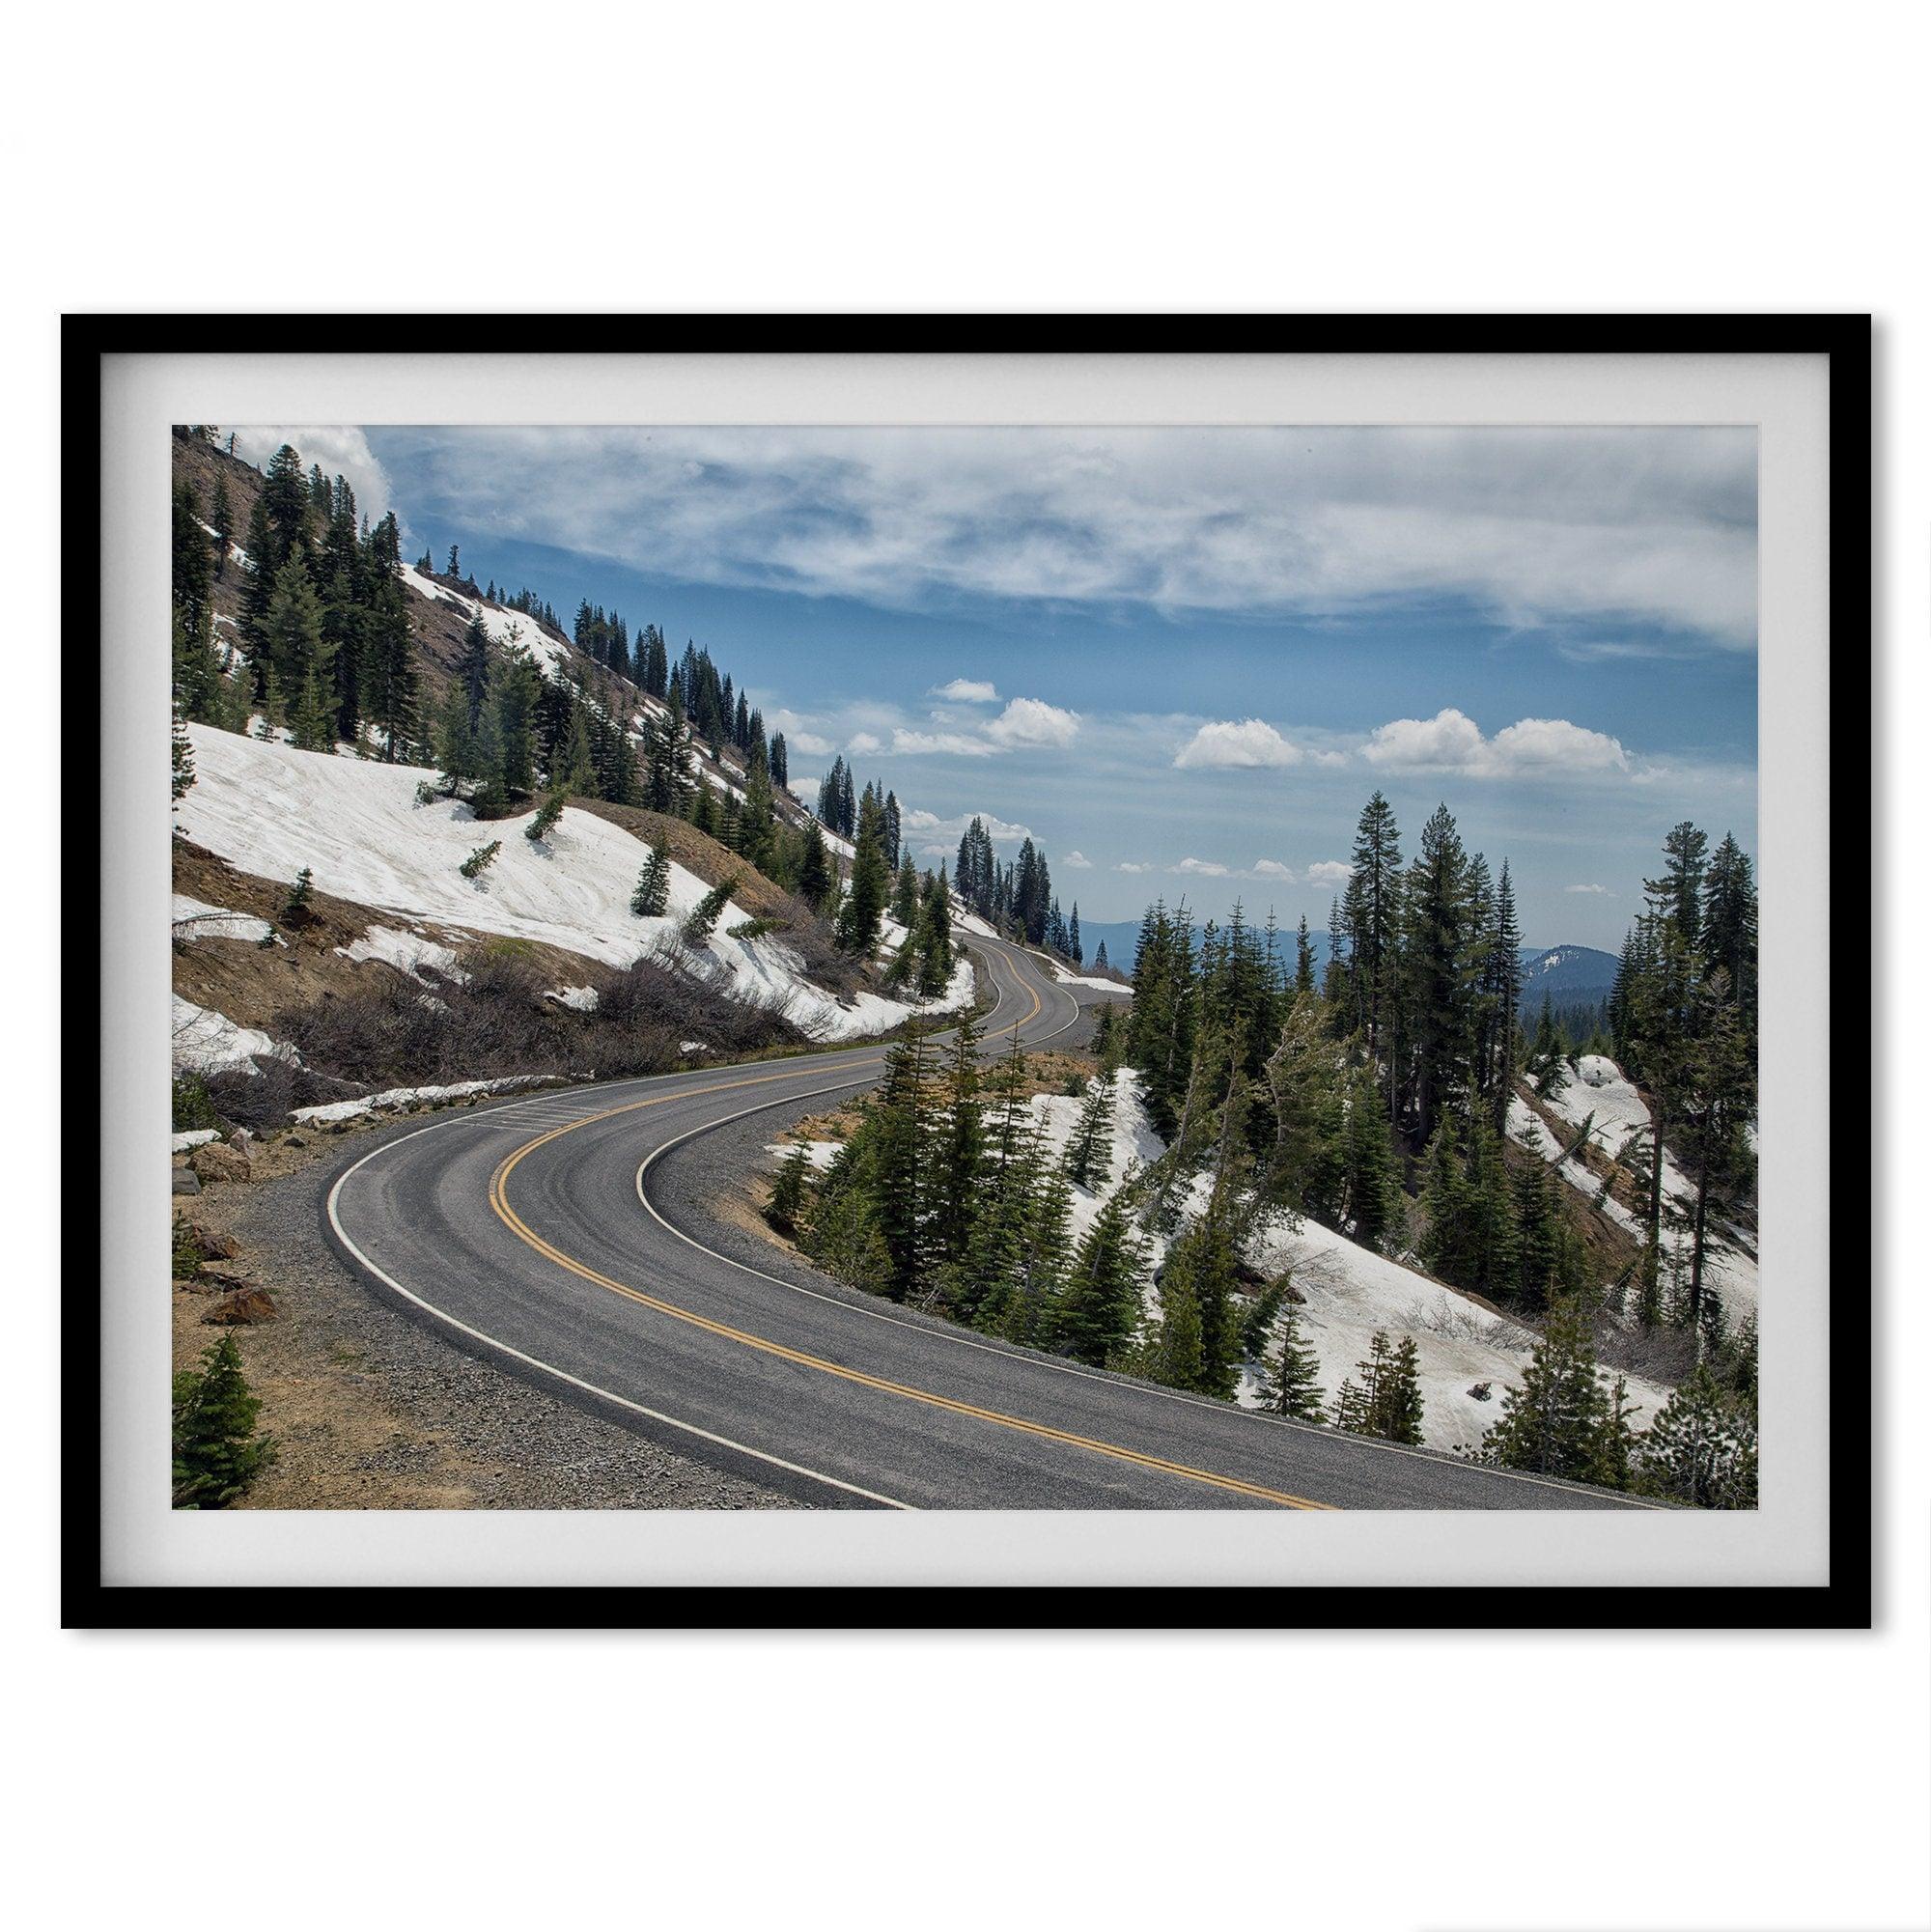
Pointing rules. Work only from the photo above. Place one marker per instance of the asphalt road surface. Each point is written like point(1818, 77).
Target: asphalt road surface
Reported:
point(531, 1233)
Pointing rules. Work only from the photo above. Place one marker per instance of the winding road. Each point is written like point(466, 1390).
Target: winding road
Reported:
point(545, 1234)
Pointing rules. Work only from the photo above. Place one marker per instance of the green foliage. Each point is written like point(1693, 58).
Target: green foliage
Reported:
point(1702, 1448)
point(543, 822)
point(862, 913)
point(1089, 1152)
point(652, 898)
point(1561, 1422)
point(193, 1108)
point(698, 928)
point(1387, 1401)
point(296, 908)
point(1290, 1379)
point(217, 1452)
point(1197, 1287)
point(481, 860)
point(790, 1192)
point(1098, 1308)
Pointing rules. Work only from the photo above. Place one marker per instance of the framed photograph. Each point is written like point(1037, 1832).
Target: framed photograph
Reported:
point(1048, 971)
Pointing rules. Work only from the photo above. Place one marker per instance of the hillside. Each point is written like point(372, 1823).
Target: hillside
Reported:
point(423, 835)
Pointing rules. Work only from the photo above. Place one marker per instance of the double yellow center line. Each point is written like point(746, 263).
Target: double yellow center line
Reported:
point(499, 1201)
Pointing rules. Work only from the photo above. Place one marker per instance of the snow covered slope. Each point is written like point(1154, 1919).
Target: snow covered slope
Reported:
point(1348, 1291)
point(270, 810)
point(1600, 1093)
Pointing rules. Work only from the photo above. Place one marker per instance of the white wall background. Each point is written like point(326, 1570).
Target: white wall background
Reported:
point(1213, 157)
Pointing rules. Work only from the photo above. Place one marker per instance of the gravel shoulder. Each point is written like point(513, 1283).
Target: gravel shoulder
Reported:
point(371, 1409)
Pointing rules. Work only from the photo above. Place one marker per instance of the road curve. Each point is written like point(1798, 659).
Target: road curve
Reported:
point(531, 1232)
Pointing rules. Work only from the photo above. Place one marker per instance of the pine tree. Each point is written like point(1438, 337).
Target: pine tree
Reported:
point(1089, 1152)
point(217, 1452)
point(1201, 1276)
point(860, 915)
point(221, 516)
point(544, 822)
point(1171, 1351)
point(1503, 989)
point(1098, 1308)
point(182, 758)
point(1702, 1448)
point(1561, 1422)
point(1387, 1401)
point(816, 880)
point(786, 1206)
point(481, 860)
point(958, 1165)
point(1371, 910)
point(293, 628)
point(1290, 1382)
point(650, 899)
point(703, 920)
point(474, 673)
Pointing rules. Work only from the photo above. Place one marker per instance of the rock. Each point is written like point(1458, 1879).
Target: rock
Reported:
point(214, 1245)
point(216, 1163)
point(241, 1307)
point(241, 1140)
point(295, 1140)
point(187, 1181)
point(229, 1275)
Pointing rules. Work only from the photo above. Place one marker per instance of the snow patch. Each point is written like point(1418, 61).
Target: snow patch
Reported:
point(407, 952)
point(200, 1138)
point(206, 1042)
point(195, 920)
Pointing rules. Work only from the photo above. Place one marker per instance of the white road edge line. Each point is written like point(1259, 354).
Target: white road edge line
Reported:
point(550, 1368)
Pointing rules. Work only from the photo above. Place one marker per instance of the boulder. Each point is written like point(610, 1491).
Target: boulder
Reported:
point(187, 1181)
point(218, 1162)
point(241, 1307)
point(214, 1245)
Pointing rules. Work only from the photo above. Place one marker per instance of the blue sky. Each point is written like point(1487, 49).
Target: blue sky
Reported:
point(1185, 657)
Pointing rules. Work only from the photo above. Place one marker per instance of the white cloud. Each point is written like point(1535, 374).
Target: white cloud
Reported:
point(1205, 868)
point(998, 829)
point(1608, 530)
point(966, 692)
point(810, 743)
point(1329, 872)
point(1248, 746)
point(1129, 865)
point(945, 744)
point(1272, 868)
point(1602, 889)
point(1032, 722)
point(863, 741)
point(1453, 741)
point(1078, 861)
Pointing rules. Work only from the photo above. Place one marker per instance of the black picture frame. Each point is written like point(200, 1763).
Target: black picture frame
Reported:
point(1844, 1601)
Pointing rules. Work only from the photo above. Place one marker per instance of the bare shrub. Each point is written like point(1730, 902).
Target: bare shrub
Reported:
point(499, 1022)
